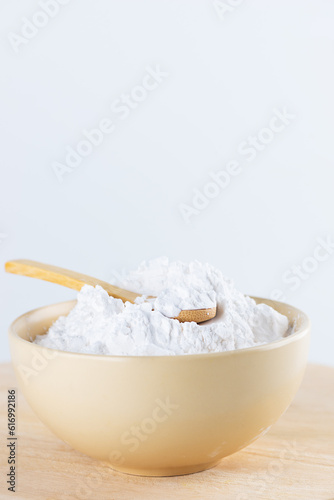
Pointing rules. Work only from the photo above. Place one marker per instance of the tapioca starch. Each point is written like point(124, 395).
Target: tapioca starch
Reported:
point(100, 324)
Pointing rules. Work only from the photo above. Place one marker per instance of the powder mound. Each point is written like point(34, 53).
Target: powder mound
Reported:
point(100, 324)
point(177, 286)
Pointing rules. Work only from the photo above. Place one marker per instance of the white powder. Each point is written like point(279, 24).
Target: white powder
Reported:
point(100, 324)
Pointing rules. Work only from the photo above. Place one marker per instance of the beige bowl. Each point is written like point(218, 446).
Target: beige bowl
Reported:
point(163, 415)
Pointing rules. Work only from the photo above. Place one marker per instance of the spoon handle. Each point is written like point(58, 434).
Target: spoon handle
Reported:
point(70, 279)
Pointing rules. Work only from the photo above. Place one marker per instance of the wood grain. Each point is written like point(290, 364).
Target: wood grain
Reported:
point(294, 460)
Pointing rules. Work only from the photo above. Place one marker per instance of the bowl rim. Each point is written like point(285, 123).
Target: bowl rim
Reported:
point(302, 331)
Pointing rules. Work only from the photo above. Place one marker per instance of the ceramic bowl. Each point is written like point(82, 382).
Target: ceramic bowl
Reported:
point(163, 415)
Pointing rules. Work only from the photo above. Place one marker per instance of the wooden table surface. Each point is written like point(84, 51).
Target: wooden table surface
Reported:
point(295, 459)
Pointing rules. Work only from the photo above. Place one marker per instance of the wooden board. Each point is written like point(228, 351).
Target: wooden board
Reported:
point(294, 460)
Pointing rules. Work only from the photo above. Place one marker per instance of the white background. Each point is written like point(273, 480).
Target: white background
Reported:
point(122, 203)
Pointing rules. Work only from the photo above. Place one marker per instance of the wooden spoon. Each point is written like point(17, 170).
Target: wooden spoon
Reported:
point(76, 281)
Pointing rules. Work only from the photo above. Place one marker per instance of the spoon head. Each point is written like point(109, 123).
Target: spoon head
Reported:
point(197, 315)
